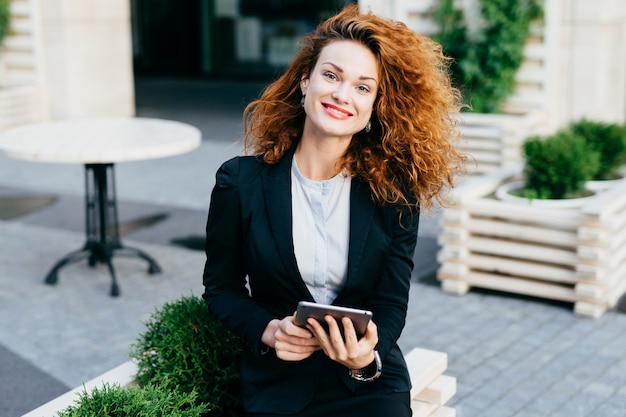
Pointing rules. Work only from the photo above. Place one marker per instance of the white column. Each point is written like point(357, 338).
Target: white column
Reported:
point(593, 60)
point(86, 46)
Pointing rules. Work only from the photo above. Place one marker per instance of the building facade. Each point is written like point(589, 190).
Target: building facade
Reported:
point(79, 58)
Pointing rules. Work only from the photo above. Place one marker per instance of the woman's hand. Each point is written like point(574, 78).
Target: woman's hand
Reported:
point(349, 350)
point(291, 343)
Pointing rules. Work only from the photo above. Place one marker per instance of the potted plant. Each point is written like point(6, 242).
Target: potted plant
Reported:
point(488, 49)
point(609, 140)
point(566, 252)
point(151, 400)
point(558, 166)
point(555, 172)
point(486, 43)
point(185, 348)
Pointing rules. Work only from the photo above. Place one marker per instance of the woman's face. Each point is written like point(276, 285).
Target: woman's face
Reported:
point(340, 91)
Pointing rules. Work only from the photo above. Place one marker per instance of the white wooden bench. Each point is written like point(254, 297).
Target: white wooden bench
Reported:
point(431, 389)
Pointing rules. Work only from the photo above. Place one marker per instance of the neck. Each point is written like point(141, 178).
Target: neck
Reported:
point(319, 161)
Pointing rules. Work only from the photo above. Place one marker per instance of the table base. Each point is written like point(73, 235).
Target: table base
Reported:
point(101, 227)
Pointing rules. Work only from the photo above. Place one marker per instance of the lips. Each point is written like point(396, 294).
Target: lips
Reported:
point(336, 112)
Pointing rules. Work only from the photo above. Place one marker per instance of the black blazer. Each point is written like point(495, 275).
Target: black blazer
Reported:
point(251, 277)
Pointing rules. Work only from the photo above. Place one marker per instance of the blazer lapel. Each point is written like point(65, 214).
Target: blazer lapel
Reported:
point(361, 213)
point(277, 189)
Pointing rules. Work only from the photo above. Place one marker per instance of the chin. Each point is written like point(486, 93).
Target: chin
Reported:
point(339, 132)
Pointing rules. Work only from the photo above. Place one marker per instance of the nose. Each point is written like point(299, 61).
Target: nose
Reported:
point(341, 93)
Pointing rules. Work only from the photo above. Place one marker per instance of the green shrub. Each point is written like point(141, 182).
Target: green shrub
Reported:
point(486, 60)
point(185, 348)
point(557, 166)
point(4, 19)
point(149, 401)
point(609, 140)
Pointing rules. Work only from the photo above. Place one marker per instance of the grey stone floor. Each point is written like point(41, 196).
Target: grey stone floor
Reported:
point(512, 356)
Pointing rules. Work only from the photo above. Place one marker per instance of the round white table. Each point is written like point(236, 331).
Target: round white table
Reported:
point(99, 144)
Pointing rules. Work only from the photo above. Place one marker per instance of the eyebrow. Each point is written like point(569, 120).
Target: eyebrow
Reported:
point(339, 69)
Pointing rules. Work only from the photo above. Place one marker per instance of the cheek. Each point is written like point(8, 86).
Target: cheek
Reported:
point(366, 108)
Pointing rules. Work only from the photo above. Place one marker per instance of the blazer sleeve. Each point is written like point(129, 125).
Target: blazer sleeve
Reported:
point(389, 301)
point(224, 277)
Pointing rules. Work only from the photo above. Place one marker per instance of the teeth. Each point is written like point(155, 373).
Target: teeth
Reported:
point(337, 111)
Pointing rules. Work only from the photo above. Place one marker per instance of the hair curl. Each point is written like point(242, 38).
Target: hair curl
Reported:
point(409, 156)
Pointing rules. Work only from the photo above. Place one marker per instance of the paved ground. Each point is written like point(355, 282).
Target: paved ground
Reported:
point(512, 356)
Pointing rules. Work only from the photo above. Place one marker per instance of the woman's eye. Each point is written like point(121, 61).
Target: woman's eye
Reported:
point(330, 75)
point(363, 89)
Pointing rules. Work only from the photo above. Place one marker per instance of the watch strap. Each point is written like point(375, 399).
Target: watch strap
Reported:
point(370, 372)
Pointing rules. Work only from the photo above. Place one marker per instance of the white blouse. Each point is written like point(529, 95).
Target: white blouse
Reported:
point(321, 228)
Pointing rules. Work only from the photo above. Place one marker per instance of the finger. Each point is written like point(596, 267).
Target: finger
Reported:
point(336, 339)
point(321, 335)
point(285, 346)
point(371, 326)
point(334, 331)
point(301, 339)
point(288, 326)
point(292, 357)
point(295, 348)
point(371, 334)
point(317, 330)
point(349, 334)
point(293, 330)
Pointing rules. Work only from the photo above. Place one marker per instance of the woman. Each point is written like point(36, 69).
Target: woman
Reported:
point(347, 146)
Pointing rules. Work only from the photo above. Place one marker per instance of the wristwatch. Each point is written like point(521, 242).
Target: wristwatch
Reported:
point(370, 372)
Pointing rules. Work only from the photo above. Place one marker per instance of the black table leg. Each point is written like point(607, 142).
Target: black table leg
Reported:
point(101, 227)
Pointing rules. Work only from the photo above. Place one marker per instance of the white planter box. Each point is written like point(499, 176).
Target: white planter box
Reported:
point(495, 140)
point(575, 255)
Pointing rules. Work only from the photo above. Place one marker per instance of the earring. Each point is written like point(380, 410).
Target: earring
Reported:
point(302, 101)
point(368, 126)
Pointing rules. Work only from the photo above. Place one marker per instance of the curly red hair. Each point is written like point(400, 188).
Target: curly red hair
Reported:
point(409, 156)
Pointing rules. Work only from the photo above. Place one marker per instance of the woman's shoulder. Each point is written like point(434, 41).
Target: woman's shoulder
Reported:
point(245, 162)
point(233, 169)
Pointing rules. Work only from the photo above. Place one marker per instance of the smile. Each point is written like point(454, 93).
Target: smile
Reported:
point(336, 112)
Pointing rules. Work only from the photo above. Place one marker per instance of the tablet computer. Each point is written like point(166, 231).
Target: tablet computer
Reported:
point(306, 309)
